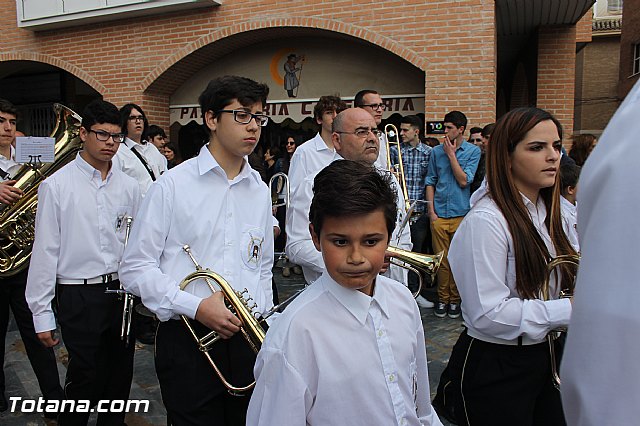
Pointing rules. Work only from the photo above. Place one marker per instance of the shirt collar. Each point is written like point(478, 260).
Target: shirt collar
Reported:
point(319, 143)
point(356, 302)
point(89, 170)
point(12, 154)
point(207, 162)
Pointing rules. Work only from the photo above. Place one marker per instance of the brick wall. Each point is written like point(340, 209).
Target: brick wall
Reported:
point(597, 97)
point(123, 60)
point(556, 73)
point(630, 36)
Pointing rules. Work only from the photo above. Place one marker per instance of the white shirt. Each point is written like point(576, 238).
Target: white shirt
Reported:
point(227, 223)
point(482, 259)
point(570, 221)
point(308, 159)
point(600, 374)
point(129, 163)
point(300, 248)
point(79, 231)
point(382, 162)
point(339, 357)
point(9, 165)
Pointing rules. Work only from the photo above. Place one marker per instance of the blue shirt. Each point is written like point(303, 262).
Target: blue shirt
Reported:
point(449, 199)
point(415, 161)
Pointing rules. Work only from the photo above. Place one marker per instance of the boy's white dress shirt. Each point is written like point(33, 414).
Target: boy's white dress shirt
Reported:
point(80, 229)
point(337, 356)
point(227, 223)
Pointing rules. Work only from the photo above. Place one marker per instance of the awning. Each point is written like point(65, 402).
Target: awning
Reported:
point(516, 17)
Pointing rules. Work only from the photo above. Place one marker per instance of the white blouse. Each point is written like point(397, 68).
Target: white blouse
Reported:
point(482, 259)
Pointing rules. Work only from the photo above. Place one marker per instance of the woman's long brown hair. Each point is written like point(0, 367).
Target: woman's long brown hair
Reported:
point(531, 253)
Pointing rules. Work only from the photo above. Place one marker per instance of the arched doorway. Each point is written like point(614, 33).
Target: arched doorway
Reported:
point(33, 87)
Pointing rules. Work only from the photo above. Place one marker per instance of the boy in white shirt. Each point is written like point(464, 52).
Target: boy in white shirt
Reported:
point(79, 238)
point(351, 349)
point(569, 175)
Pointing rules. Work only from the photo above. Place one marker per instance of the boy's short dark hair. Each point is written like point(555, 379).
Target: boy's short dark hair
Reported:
point(221, 91)
point(155, 130)
point(328, 103)
point(8, 108)
point(569, 175)
point(358, 100)
point(99, 112)
point(457, 118)
point(475, 130)
point(413, 121)
point(125, 112)
point(350, 188)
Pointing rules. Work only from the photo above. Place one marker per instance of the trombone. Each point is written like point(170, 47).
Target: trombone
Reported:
point(391, 132)
point(572, 260)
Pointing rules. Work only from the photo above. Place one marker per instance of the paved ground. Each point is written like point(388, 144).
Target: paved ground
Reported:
point(440, 336)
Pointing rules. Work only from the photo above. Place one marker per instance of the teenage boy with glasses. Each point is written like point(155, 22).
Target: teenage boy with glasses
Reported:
point(219, 206)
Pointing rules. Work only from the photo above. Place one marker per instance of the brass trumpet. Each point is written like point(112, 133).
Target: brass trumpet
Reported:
point(391, 132)
point(238, 303)
point(416, 262)
point(560, 261)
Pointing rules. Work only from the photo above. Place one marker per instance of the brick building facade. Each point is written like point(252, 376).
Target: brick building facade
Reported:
point(456, 44)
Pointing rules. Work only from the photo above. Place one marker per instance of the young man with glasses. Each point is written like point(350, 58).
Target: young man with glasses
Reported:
point(79, 238)
point(217, 205)
point(136, 157)
point(43, 360)
point(452, 166)
point(370, 101)
point(355, 137)
point(316, 153)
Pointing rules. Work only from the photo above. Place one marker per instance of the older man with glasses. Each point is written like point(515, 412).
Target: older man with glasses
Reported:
point(355, 137)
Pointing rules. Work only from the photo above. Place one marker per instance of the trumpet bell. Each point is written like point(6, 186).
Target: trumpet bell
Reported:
point(416, 262)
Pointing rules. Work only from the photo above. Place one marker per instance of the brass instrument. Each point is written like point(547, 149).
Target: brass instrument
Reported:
point(573, 261)
point(416, 262)
point(127, 298)
point(17, 221)
point(390, 132)
point(238, 304)
point(281, 180)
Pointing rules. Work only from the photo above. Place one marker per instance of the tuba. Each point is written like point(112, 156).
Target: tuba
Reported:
point(17, 221)
point(238, 303)
point(570, 261)
point(416, 262)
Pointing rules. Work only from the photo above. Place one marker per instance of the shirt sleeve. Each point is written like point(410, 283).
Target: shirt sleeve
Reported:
point(300, 248)
point(280, 396)
point(472, 164)
point(432, 172)
point(479, 256)
point(296, 169)
point(140, 272)
point(266, 269)
point(41, 281)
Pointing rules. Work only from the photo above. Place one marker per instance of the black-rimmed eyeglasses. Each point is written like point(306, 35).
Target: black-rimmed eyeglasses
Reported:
point(376, 106)
point(103, 136)
point(136, 118)
point(245, 117)
point(363, 132)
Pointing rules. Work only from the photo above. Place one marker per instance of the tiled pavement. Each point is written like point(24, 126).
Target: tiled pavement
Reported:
point(440, 334)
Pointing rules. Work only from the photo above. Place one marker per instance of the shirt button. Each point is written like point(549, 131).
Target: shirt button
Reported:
point(380, 333)
point(391, 377)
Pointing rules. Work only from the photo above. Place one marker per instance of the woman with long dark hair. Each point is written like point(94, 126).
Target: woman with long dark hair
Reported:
point(582, 147)
point(499, 372)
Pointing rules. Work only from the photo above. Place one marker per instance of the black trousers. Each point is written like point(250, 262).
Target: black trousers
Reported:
point(191, 391)
point(100, 364)
point(491, 384)
point(42, 359)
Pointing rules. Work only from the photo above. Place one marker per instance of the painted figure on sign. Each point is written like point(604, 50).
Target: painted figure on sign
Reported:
point(292, 78)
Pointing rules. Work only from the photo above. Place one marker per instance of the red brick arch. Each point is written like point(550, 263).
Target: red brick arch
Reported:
point(297, 22)
point(56, 62)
